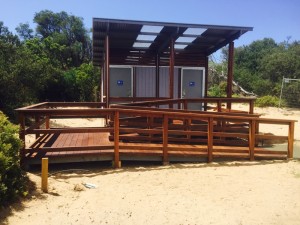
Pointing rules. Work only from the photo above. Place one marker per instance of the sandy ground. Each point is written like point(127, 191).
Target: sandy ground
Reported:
point(219, 193)
point(276, 113)
point(264, 192)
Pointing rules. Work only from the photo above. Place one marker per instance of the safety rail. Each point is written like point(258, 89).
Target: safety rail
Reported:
point(215, 103)
point(167, 133)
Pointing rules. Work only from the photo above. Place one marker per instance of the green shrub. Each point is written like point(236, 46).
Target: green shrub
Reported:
point(217, 90)
point(267, 100)
point(12, 178)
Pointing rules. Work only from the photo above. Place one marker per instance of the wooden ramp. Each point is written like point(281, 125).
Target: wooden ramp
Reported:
point(141, 132)
point(80, 147)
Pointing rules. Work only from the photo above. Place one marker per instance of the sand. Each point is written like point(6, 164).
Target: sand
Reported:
point(262, 192)
point(265, 192)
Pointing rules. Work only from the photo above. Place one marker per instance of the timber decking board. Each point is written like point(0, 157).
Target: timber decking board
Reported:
point(94, 140)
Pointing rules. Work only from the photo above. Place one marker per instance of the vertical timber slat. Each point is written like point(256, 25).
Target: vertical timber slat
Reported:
point(251, 106)
point(165, 139)
point(37, 120)
point(210, 137)
point(47, 122)
point(291, 140)
point(252, 129)
point(116, 140)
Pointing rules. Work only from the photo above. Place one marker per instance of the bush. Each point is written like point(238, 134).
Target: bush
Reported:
point(217, 90)
point(12, 178)
point(267, 100)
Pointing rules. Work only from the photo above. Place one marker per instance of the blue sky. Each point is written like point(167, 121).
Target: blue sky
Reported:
point(277, 19)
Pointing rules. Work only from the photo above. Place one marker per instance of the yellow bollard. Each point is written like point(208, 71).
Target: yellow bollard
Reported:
point(45, 174)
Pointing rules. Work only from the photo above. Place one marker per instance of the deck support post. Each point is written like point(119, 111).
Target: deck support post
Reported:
point(291, 140)
point(230, 73)
point(117, 163)
point(165, 140)
point(210, 127)
point(252, 129)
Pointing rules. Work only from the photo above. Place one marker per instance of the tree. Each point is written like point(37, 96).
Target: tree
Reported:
point(24, 31)
point(67, 31)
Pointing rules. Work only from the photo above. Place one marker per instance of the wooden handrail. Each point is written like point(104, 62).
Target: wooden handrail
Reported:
point(165, 116)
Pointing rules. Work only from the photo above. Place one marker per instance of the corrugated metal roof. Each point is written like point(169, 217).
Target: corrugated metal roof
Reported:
point(190, 49)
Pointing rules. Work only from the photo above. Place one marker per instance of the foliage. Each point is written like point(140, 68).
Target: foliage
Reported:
point(24, 31)
point(68, 32)
point(291, 94)
point(51, 64)
point(267, 100)
point(82, 83)
point(217, 90)
point(260, 66)
point(12, 178)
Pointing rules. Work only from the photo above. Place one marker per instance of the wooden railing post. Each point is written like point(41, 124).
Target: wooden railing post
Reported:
point(219, 105)
point(210, 127)
point(165, 140)
point(252, 128)
point(188, 128)
point(150, 121)
point(37, 120)
point(117, 163)
point(185, 104)
point(251, 106)
point(47, 122)
point(291, 140)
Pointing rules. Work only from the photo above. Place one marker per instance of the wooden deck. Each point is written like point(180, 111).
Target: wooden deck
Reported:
point(78, 147)
point(139, 132)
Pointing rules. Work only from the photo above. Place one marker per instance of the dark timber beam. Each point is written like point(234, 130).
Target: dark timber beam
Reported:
point(134, 82)
point(101, 83)
point(157, 76)
point(206, 77)
point(107, 69)
point(171, 69)
point(230, 72)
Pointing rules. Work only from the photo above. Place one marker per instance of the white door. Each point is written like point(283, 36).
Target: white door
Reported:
point(192, 85)
point(120, 82)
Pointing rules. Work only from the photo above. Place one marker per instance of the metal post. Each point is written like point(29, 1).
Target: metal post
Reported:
point(281, 92)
